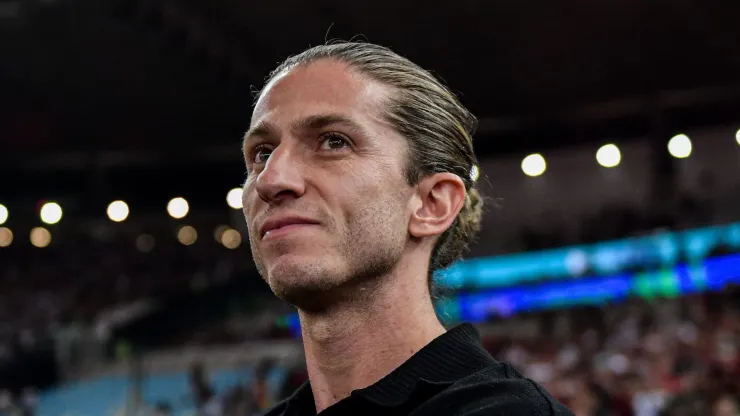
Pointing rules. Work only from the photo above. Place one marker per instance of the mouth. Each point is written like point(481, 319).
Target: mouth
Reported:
point(283, 224)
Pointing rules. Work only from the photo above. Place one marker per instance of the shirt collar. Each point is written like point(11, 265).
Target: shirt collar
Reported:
point(448, 358)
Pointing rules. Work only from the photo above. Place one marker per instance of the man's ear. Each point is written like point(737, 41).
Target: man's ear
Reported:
point(439, 199)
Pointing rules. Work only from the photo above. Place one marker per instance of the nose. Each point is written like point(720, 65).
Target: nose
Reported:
point(282, 177)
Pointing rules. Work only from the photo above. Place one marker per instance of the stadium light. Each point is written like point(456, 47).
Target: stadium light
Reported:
point(608, 155)
point(3, 214)
point(680, 146)
point(737, 136)
point(178, 208)
point(234, 198)
point(6, 237)
point(51, 213)
point(40, 237)
point(534, 165)
point(187, 235)
point(117, 211)
point(218, 232)
point(231, 239)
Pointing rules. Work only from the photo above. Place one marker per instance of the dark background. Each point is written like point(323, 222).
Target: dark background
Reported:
point(107, 94)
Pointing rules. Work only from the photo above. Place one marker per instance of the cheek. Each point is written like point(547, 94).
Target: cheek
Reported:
point(250, 202)
point(376, 205)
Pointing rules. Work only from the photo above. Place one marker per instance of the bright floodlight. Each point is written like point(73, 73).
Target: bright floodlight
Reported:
point(3, 214)
point(534, 165)
point(117, 211)
point(608, 156)
point(6, 237)
point(51, 213)
point(231, 239)
point(737, 136)
point(680, 146)
point(234, 198)
point(40, 237)
point(178, 208)
point(187, 235)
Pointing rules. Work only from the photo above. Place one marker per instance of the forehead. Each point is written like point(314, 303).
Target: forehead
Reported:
point(324, 86)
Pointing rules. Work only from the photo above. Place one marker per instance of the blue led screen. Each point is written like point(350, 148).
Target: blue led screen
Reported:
point(606, 258)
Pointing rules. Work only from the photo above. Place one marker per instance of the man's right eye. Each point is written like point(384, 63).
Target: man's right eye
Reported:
point(261, 154)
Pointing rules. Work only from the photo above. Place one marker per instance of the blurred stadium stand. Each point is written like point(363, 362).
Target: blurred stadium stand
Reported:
point(614, 287)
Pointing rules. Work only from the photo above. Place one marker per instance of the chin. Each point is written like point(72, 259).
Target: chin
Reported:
point(304, 283)
point(296, 272)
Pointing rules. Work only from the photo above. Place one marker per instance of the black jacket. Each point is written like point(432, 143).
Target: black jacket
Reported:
point(452, 376)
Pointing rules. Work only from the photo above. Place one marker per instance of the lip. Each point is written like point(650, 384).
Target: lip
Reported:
point(276, 224)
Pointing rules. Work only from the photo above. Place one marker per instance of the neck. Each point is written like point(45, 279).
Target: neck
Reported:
point(356, 345)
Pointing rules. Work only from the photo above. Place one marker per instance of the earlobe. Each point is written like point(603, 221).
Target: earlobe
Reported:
point(440, 198)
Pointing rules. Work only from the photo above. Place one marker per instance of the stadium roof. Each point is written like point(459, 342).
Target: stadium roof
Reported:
point(171, 79)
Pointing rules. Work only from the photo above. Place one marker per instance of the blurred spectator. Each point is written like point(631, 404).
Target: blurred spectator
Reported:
point(9, 406)
point(162, 409)
point(726, 405)
point(253, 399)
point(207, 403)
point(260, 390)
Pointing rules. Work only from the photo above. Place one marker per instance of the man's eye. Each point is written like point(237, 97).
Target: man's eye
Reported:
point(261, 154)
point(333, 141)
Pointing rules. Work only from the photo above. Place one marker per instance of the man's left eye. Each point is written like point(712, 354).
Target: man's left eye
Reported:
point(333, 142)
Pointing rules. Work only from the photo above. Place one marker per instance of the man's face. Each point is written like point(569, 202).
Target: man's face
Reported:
point(326, 199)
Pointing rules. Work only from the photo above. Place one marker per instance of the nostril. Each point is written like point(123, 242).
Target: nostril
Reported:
point(263, 197)
point(285, 194)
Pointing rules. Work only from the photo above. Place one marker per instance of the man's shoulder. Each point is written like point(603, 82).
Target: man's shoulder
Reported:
point(496, 389)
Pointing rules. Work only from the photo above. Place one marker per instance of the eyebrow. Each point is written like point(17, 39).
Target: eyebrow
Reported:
point(262, 128)
point(314, 122)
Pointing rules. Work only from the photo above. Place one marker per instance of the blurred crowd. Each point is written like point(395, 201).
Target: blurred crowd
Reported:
point(66, 287)
point(667, 357)
point(60, 298)
point(672, 357)
point(245, 399)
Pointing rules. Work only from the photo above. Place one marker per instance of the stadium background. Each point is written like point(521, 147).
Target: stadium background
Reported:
point(609, 143)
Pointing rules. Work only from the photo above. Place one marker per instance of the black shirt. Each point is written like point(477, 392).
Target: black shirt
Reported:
point(453, 376)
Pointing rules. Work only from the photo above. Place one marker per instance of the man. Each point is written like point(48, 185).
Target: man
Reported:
point(359, 185)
